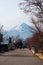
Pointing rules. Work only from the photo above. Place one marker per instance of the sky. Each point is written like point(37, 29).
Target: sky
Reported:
point(11, 15)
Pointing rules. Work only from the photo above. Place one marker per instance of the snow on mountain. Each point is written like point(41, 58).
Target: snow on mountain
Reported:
point(23, 30)
point(19, 28)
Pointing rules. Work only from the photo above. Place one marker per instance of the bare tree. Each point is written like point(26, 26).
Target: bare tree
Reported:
point(36, 8)
point(1, 35)
point(1, 27)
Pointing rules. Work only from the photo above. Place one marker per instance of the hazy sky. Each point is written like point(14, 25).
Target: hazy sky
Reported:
point(10, 14)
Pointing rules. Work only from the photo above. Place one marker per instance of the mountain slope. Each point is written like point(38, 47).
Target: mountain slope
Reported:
point(23, 30)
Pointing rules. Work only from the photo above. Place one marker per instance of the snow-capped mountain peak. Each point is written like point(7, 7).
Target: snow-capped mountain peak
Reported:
point(19, 28)
point(23, 30)
point(22, 27)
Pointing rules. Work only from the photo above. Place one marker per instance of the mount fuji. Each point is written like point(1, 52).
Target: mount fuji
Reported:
point(23, 30)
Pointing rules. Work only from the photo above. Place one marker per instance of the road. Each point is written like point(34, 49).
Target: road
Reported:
point(19, 57)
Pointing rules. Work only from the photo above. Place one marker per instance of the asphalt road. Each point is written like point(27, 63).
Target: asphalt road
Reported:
point(19, 57)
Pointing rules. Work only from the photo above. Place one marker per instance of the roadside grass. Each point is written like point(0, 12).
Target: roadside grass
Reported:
point(39, 55)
